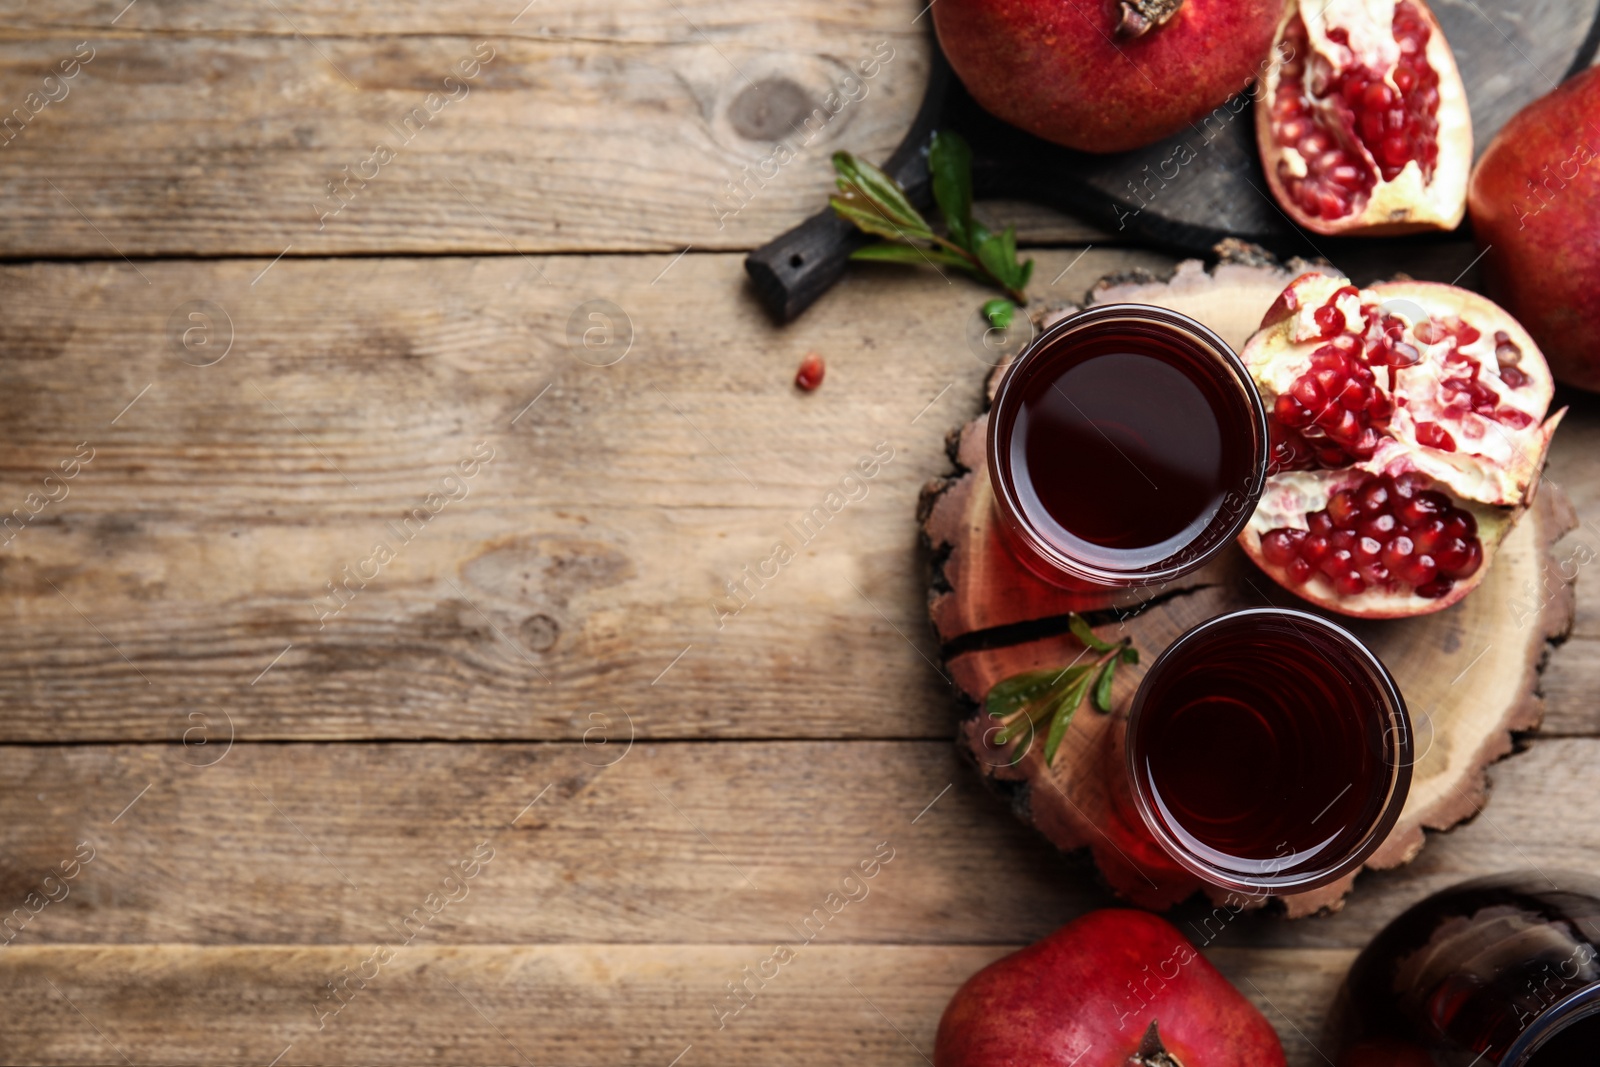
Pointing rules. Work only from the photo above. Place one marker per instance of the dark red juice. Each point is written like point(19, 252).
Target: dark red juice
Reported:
point(1577, 1044)
point(1128, 441)
point(1264, 746)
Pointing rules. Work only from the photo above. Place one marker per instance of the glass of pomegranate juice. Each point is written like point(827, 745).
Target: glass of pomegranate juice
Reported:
point(1127, 446)
point(1269, 751)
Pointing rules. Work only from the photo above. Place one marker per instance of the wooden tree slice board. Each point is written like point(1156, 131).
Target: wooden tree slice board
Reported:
point(1469, 673)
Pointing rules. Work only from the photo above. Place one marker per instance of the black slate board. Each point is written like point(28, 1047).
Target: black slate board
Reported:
point(1510, 52)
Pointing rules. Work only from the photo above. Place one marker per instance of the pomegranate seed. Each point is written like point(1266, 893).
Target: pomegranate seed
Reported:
point(1514, 419)
point(1374, 495)
point(1428, 535)
point(1333, 457)
point(1513, 378)
point(1319, 524)
point(1506, 351)
point(1397, 552)
point(1410, 484)
point(1314, 550)
point(1421, 509)
point(1349, 583)
point(1402, 354)
point(1419, 570)
point(1461, 524)
point(1467, 564)
point(1308, 391)
point(1451, 555)
point(1329, 319)
point(1433, 435)
point(1368, 549)
point(1299, 571)
point(809, 376)
point(1279, 545)
point(1435, 589)
point(1342, 510)
point(1379, 527)
point(1344, 428)
point(1337, 562)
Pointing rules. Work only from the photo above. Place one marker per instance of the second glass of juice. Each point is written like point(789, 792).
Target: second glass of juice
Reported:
point(1127, 446)
point(1269, 751)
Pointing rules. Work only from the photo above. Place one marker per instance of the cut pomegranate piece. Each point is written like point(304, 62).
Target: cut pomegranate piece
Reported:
point(1402, 448)
point(1363, 124)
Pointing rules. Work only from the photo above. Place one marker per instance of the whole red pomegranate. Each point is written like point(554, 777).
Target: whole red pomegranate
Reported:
point(1536, 207)
point(1363, 124)
point(1105, 75)
point(1409, 431)
point(1112, 989)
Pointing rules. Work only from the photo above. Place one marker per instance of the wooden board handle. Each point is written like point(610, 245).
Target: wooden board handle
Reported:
point(790, 272)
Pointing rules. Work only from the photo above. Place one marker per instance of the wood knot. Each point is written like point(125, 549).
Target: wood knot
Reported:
point(769, 110)
point(539, 632)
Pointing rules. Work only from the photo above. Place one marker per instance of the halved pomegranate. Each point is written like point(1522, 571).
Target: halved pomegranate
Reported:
point(1408, 425)
point(1363, 123)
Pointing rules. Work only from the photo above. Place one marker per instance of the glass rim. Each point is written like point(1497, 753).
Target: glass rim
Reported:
point(1398, 788)
point(1099, 316)
point(1568, 1011)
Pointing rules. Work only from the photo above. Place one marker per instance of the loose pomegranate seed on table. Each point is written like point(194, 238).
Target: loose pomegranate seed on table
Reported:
point(809, 376)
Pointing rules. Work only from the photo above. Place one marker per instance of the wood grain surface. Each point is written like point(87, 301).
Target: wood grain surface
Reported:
point(481, 688)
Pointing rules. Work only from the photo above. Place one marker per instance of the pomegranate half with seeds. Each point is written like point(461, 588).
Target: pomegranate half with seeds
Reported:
point(1408, 428)
point(1363, 124)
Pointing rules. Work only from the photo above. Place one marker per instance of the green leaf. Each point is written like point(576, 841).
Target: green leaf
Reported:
point(885, 252)
point(1008, 251)
point(874, 185)
point(1011, 694)
point(1130, 655)
point(950, 163)
point(1082, 631)
point(1102, 684)
point(991, 253)
point(1025, 275)
point(1006, 735)
point(1066, 708)
point(1058, 732)
point(999, 312)
point(978, 232)
point(868, 218)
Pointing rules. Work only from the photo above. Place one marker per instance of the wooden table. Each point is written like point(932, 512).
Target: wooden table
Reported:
point(525, 788)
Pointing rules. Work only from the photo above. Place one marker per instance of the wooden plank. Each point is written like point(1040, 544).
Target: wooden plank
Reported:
point(496, 1004)
point(688, 842)
point(701, 842)
point(593, 551)
point(221, 131)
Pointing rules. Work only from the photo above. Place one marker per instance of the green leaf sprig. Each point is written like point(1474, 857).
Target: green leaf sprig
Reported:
point(876, 204)
point(1028, 700)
